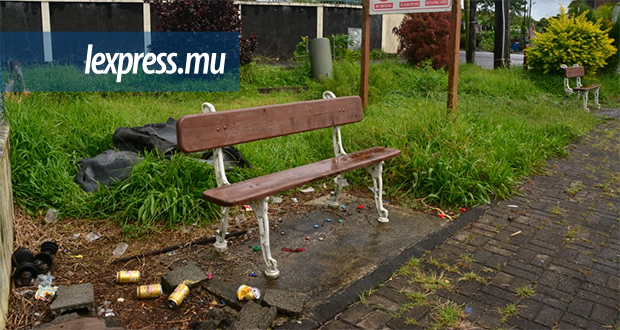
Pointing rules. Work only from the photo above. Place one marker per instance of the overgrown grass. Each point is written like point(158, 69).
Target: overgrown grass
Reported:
point(509, 122)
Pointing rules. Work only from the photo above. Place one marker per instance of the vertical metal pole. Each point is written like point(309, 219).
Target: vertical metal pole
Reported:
point(453, 62)
point(365, 51)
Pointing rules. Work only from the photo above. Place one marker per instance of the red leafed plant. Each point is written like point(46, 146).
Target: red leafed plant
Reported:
point(204, 16)
point(425, 36)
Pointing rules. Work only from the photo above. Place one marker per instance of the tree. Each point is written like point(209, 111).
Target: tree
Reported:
point(425, 36)
point(204, 16)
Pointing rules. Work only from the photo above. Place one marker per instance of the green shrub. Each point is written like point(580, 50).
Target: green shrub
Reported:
point(570, 40)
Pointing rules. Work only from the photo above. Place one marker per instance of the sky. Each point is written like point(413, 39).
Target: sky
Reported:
point(547, 8)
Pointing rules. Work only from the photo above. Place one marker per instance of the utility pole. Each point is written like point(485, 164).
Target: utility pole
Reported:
point(470, 57)
point(501, 50)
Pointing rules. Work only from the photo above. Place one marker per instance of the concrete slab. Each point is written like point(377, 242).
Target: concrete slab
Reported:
point(341, 259)
point(253, 316)
point(74, 298)
point(191, 271)
point(286, 302)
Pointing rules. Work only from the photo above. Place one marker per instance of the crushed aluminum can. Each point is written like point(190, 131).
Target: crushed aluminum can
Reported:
point(128, 276)
point(149, 291)
point(246, 292)
point(177, 296)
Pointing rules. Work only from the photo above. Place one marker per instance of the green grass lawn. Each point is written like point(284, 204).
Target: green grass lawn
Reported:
point(509, 122)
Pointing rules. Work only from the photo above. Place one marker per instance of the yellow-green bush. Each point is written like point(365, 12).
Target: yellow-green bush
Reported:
point(570, 40)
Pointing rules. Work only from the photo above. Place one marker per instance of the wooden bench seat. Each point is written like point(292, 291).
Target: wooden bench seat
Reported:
point(578, 72)
point(214, 130)
point(246, 191)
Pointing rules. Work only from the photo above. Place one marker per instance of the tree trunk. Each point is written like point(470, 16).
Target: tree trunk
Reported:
point(470, 56)
point(501, 53)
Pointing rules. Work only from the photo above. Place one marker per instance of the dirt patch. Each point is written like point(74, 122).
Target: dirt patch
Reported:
point(79, 261)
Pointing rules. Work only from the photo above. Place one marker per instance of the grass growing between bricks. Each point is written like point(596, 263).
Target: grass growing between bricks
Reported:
point(426, 305)
point(509, 122)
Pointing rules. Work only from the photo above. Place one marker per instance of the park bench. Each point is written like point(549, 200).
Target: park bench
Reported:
point(214, 130)
point(578, 72)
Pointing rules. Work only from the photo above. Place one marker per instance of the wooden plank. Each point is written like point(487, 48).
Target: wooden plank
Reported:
point(453, 57)
point(574, 71)
point(249, 190)
point(212, 130)
point(587, 88)
point(365, 47)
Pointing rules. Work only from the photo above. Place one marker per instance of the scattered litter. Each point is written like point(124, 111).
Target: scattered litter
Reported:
point(281, 233)
point(51, 216)
point(276, 200)
point(462, 209)
point(293, 250)
point(76, 236)
point(359, 207)
point(128, 276)
point(120, 300)
point(294, 200)
point(44, 280)
point(316, 226)
point(343, 207)
point(340, 220)
point(106, 303)
point(209, 276)
point(441, 215)
point(487, 270)
point(468, 310)
point(149, 291)
point(246, 208)
point(93, 235)
point(171, 253)
point(177, 296)
point(120, 249)
point(45, 292)
point(37, 314)
point(77, 256)
point(253, 274)
point(513, 206)
point(298, 321)
point(386, 200)
point(320, 238)
point(246, 292)
point(256, 248)
point(307, 190)
point(307, 238)
point(329, 220)
point(515, 233)
point(186, 229)
point(109, 312)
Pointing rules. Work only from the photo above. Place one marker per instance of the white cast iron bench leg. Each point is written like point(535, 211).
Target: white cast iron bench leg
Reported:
point(260, 209)
point(376, 172)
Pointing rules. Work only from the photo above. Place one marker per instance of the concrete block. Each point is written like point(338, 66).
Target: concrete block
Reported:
point(191, 271)
point(74, 298)
point(253, 316)
point(286, 302)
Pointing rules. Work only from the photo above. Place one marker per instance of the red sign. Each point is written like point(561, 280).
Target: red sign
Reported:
point(381, 7)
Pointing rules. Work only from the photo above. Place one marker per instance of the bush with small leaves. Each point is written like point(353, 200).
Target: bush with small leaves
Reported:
point(425, 36)
point(570, 40)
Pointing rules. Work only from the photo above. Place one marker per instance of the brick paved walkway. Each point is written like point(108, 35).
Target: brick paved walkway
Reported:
point(559, 238)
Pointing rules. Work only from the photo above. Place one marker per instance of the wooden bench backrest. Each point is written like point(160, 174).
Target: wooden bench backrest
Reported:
point(213, 130)
point(574, 71)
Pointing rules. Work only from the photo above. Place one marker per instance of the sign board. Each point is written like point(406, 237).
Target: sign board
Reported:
point(382, 7)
